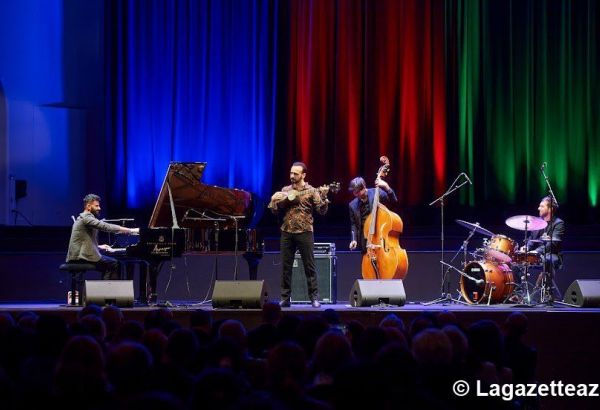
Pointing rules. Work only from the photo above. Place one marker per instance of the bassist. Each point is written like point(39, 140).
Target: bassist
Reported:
point(360, 207)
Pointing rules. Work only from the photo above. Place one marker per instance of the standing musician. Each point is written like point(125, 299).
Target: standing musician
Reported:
point(297, 229)
point(360, 207)
point(551, 236)
point(83, 245)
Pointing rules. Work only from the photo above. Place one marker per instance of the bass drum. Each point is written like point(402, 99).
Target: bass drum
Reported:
point(489, 277)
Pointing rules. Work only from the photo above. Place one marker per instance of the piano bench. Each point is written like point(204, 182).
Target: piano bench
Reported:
point(76, 270)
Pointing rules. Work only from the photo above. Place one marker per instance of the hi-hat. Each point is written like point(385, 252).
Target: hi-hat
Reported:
point(526, 223)
point(474, 226)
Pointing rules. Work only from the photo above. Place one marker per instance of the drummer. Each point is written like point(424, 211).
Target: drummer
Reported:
point(548, 241)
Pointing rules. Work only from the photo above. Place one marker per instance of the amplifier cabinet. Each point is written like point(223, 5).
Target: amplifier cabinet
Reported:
point(326, 266)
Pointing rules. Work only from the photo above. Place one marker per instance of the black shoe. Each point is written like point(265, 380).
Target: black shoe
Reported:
point(285, 303)
point(315, 304)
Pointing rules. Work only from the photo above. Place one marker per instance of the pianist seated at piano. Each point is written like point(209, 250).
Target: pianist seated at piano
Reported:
point(83, 245)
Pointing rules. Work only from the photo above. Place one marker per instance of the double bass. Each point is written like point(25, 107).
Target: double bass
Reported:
point(385, 258)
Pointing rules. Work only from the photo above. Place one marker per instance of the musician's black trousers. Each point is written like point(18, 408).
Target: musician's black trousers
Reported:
point(304, 242)
point(109, 267)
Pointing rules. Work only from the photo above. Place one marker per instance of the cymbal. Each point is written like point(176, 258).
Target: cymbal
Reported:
point(526, 223)
point(475, 226)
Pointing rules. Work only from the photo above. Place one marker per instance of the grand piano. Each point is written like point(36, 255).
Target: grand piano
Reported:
point(193, 218)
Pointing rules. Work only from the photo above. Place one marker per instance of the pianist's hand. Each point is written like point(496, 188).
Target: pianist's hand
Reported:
point(134, 231)
point(106, 248)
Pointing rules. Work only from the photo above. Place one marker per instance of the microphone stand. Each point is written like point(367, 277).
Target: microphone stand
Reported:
point(546, 296)
point(445, 295)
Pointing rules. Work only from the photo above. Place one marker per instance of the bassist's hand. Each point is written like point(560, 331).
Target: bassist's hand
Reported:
point(382, 184)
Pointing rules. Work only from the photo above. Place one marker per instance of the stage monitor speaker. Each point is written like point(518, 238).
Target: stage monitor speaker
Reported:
point(583, 293)
point(326, 266)
point(109, 292)
point(376, 292)
point(236, 294)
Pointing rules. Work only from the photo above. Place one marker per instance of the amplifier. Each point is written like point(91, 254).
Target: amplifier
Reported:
point(326, 279)
point(324, 248)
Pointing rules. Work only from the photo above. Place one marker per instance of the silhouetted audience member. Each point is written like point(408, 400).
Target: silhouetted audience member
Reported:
point(288, 326)
point(155, 400)
point(432, 350)
point(90, 310)
point(354, 329)
point(460, 345)
point(95, 327)
point(309, 331)
point(271, 313)
point(128, 366)
point(113, 320)
point(80, 374)
point(234, 330)
point(486, 353)
point(160, 318)
point(182, 350)
point(130, 330)
point(392, 320)
point(261, 339)
point(218, 389)
point(421, 322)
point(332, 353)
point(287, 367)
point(369, 342)
point(201, 325)
point(520, 357)
point(156, 343)
point(37, 371)
point(27, 320)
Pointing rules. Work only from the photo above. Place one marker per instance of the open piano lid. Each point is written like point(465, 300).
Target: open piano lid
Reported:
point(196, 204)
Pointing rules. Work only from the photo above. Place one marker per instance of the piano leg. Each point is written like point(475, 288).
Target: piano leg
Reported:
point(253, 259)
point(150, 279)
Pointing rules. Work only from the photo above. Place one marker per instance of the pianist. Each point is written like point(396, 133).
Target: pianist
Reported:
point(83, 245)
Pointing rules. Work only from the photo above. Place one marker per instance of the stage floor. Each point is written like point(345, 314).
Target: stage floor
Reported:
point(367, 315)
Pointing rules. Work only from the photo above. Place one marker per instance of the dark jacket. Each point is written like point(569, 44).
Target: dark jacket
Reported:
point(556, 230)
point(356, 224)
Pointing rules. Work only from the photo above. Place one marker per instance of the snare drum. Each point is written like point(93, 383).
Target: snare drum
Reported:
point(531, 258)
point(487, 277)
point(500, 248)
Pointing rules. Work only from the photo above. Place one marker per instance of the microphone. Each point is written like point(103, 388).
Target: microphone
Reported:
point(543, 167)
point(479, 281)
point(466, 176)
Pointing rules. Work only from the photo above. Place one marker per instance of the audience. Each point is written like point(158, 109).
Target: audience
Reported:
point(102, 361)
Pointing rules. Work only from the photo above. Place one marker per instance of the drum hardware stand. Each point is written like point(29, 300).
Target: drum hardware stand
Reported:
point(526, 274)
point(462, 249)
point(449, 296)
point(492, 289)
point(445, 295)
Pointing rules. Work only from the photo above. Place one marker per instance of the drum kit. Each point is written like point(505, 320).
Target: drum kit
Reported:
point(492, 276)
